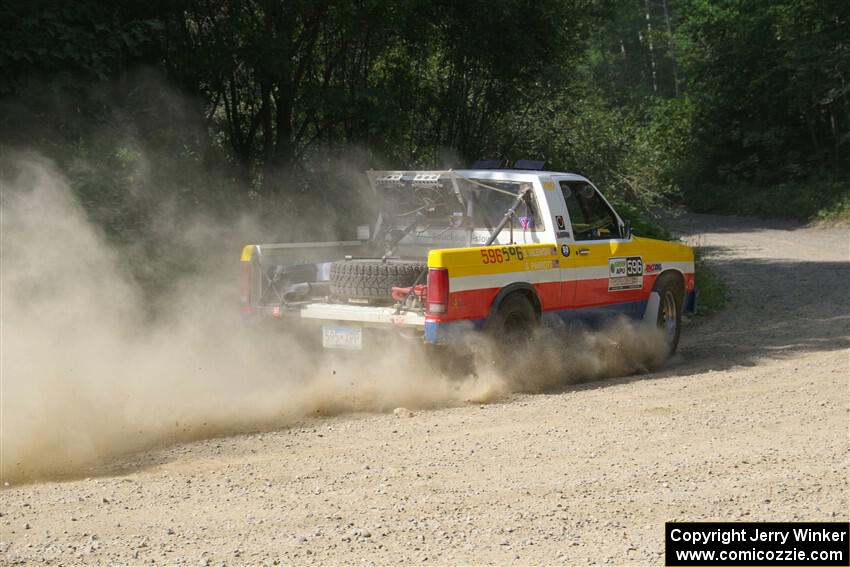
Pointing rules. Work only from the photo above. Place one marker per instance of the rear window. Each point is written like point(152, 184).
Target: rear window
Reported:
point(492, 199)
point(436, 205)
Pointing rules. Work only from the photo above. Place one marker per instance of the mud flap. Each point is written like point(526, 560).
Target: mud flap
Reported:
point(691, 302)
point(650, 316)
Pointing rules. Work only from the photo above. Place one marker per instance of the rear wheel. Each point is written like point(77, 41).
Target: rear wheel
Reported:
point(510, 331)
point(669, 321)
point(514, 321)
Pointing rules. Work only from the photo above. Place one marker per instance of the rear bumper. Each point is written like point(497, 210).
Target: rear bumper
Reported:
point(450, 332)
point(362, 315)
point(306, 321)
point(369, 316)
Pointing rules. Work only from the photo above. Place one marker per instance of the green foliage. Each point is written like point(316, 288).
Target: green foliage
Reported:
point(839, 210)
point(67, 44)
point(739, 94)
point(633, 155)
point(821, 197)
point(731, 106)
point(287, 83)
point(643, 223)
point(769, 79)
point(712, 289)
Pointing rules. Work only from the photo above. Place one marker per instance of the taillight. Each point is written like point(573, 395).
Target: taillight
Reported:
point(438, 290)
point(245, 287)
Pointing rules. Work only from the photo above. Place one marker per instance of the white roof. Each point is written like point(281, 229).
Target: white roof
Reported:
point(494, 174)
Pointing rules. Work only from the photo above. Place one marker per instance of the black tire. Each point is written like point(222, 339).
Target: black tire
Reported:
point(510, 330)
point(671, 293)
point(373, 280)
point(514, 322)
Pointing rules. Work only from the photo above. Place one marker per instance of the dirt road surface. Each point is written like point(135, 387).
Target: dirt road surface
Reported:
point(748, 422)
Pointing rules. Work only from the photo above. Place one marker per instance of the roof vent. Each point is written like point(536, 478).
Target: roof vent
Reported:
point(489, 164)
point(535, 164)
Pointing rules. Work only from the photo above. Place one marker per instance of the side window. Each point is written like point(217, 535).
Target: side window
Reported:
point(590, 216)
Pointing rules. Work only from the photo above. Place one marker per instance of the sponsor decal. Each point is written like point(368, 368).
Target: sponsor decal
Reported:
point(540, 251)
point(565, 250)
point(625, 273)
point(549, 185)
point(559, 220)
point(653, 268)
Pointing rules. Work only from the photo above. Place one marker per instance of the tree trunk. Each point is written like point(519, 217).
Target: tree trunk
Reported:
point(651, 47)
point(266, 121)
point(283, 150)
point(671, 48)
point(836, 136)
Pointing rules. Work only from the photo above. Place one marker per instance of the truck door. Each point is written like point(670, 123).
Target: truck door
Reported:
point(608, 277)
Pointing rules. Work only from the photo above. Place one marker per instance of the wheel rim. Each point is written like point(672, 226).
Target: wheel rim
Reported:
point(669, 319)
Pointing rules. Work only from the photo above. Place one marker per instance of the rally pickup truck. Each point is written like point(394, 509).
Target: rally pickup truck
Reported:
point(499, 250)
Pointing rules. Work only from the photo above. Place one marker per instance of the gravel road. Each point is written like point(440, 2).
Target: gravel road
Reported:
point(748, 422)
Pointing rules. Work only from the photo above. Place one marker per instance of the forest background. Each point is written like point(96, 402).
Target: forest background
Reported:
point(161, 111)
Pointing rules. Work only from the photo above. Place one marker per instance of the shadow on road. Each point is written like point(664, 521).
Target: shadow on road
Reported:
point(777, 309)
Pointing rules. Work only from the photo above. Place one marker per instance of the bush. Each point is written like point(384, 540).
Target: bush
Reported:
point(712, 289)
point(819, 197)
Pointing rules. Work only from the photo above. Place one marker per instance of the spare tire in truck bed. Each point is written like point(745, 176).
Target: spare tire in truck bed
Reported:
point(372, 279)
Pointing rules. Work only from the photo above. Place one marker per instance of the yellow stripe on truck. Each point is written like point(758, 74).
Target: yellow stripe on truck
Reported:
point(649, 249)
point(486, 260)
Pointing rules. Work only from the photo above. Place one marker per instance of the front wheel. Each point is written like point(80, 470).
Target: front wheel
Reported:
point(670, 312)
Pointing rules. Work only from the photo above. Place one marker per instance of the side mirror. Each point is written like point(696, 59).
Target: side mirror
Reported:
point(627, 229)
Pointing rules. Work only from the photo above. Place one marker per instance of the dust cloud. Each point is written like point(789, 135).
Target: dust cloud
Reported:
point(88, 372)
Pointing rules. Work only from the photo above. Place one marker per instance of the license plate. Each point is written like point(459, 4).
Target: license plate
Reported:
point(347, 338)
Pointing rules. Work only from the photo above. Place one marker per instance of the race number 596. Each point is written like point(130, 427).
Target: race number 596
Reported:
point(634, 266)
